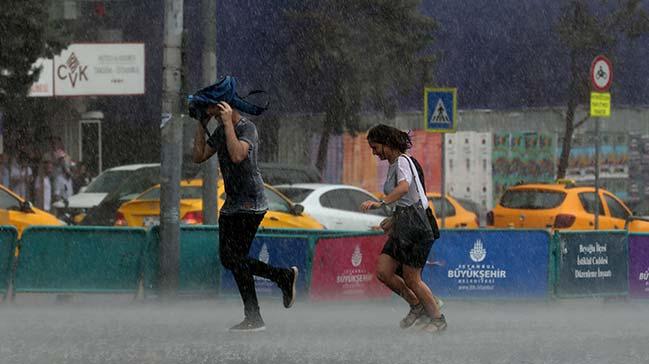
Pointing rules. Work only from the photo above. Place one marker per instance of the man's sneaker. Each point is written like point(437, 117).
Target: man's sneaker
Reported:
point(415, 313)
point(288, 289)
point(436, 325)
point(249, 325)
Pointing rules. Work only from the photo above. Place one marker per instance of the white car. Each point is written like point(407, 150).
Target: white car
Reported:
point(138, 176)
point(335, 206)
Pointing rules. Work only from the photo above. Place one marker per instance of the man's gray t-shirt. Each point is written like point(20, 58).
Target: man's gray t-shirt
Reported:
point(244, 186)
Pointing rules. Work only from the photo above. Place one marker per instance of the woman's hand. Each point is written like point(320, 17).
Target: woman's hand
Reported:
point(369, 204)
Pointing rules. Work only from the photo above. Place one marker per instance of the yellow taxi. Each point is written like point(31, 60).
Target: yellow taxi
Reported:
point(17, 212)
point(561, 206)
point(456, 215)
point(144, 210)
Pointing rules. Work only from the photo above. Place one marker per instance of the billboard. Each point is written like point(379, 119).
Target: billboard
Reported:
point(490, 263)
point(44, 86)
point(278, 251)
point(592, 263)
point(639, 266)
point(93, 69)
point(344, 268)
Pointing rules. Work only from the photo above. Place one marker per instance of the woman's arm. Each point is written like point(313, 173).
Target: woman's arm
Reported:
point(399, 191)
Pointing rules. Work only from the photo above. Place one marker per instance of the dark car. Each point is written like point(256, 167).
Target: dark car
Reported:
point(103, 214)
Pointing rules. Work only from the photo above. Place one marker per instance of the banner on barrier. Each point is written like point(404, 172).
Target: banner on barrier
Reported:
point(199, 269)
point(511, 264)
point(8, 236)
point(639, 266)
point(345, 268)
point(592, 264)
point(278, 251)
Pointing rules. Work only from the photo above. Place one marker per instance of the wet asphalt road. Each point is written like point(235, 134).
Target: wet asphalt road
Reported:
point(577, 331)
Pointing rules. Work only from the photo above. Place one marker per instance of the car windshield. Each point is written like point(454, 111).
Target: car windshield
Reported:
point(107, 181)
point(186, 193)
point(276, 202)
point(295, 194)
point(532, 199)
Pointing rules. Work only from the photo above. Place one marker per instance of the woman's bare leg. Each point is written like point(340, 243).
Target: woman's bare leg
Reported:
point(412, 279)
point(385, 272)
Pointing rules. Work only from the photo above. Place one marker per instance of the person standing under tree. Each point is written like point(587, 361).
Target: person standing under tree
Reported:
point(235, 141)
point(410, 234)
point(44, 185)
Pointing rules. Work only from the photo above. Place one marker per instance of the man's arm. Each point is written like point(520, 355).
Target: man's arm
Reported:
point(202, 151)
point(237, 149)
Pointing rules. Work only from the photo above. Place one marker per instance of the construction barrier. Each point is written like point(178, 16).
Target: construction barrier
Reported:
point(281, 251)
point(199, 269)
point(639, 266)
point(79, 259)
point(344, 268)
point(8, 235)
point(334, 265)
point(591, 263)
point(512, 264)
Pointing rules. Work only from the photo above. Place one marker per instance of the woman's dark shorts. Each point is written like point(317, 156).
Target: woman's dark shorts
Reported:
point(413, 255)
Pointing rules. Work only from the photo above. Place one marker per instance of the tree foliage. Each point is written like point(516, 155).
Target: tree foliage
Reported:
point(587, 30)
point(27, 34)
point(345, 57)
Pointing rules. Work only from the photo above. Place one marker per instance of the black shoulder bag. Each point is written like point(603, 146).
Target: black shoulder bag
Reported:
point(429, 212)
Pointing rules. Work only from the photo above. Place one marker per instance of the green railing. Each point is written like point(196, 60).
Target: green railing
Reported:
point(79, 259)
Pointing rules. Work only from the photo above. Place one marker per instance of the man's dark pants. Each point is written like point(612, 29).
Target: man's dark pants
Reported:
point(236, 233)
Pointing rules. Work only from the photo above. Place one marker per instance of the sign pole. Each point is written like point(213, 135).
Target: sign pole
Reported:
point(597, 141)
point(171, 131)
point(601, 77)
point(443, 187)
point(440, 116)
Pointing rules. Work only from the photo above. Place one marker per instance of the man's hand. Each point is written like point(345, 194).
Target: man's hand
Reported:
point(225, 113)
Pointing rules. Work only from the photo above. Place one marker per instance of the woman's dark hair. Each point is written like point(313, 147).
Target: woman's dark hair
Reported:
point(392, 137)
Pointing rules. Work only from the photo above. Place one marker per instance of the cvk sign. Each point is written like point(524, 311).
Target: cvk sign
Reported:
point(100, 69)
point(72, 70)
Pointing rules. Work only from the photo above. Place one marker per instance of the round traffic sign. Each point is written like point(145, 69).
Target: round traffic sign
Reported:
point(601, 73)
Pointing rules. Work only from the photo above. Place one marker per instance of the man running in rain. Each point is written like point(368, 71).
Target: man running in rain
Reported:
point(236, 141)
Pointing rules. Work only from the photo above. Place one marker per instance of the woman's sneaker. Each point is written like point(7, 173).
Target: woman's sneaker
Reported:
point(436, 325)
point(415, 313)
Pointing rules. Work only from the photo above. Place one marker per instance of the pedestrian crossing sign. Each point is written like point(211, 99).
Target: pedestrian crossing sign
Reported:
point(440, 109)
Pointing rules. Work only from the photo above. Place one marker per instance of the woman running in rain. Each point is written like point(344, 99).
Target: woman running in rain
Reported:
point(410, 235)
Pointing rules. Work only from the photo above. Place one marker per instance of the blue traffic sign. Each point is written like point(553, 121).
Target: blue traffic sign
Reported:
point(440, 109)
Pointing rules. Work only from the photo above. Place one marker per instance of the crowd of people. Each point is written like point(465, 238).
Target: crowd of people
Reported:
point(43, 179)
